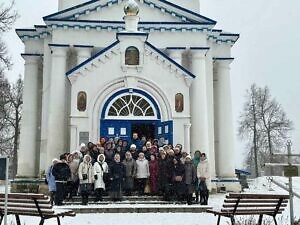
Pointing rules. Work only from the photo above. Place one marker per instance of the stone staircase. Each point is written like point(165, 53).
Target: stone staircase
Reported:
point(133, 204)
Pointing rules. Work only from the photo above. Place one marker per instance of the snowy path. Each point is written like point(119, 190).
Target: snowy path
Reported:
point(259, 185)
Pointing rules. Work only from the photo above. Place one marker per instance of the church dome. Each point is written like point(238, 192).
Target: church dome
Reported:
point(131, 8)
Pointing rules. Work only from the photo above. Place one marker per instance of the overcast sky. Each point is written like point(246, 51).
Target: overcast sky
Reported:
point(267, 53)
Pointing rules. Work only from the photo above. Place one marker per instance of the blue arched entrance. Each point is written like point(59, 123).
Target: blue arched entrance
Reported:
point(133, 110)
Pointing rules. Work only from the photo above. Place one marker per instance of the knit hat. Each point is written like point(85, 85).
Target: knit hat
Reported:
point(188, 157)
point(133, 146)
point(82, 145)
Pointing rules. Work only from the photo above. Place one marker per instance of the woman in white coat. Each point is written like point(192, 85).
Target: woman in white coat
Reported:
point(100, 175)
point(203, 175)
point(85, 174)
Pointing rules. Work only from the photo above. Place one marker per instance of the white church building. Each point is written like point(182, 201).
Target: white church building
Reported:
point(107, 68)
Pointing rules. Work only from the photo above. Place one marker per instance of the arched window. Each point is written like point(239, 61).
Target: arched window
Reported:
point(132, 56)
point(81, 101)
point(179, 103)
point(131, 105)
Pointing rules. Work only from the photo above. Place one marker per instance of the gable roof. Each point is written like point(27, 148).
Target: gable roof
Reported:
point(114, 44)
point(73, 13)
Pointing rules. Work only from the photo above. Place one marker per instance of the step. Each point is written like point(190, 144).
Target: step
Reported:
point(124, 198)
point(137, 208)
point(107, 202)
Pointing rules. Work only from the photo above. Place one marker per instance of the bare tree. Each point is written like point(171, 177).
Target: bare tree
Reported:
point(249, 124)
point(8, 17)
point(265, 126)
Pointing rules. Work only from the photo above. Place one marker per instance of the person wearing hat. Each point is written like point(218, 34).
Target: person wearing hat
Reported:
point(134, 152)
point(100, 176)
point(85, 174)
point(178, 180)
point(51, 181)
point(130, 166)
point(203, 174)
point(117, 177)
point(142, 172)
point(189, 178)
point(61, 171)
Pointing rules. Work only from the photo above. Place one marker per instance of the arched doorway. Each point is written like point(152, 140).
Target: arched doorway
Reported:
point(133, 110)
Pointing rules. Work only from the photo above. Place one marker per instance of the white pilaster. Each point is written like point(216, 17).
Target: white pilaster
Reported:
point(223, 119)
point(199, 119)
point(187, 138)
point(27, 161)
point(176, 54)
point(83, 53)
point(57, 123)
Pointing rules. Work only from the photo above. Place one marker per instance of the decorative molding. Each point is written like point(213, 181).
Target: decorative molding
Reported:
point(162, 58)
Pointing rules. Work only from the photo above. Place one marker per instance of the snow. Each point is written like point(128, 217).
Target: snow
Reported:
point(259, 185)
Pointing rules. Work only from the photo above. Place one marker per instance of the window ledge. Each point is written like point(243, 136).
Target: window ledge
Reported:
point(128, 67)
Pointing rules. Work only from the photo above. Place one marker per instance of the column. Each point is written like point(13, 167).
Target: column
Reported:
point(199, 119)
point(83, 52)
point(45, 104)
point(223, 119)
point(27, 161)
point(175, 53)
point(187, 138)
point(57, 120)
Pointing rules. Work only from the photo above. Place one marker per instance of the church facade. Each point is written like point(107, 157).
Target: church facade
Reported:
point(159, 69)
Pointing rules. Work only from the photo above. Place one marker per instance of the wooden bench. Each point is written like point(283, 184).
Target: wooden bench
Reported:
point(31, 205)
point(236, 204)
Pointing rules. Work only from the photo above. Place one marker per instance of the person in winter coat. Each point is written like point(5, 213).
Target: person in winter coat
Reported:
point(130, 166)
point(189, 178)
point(163, 183)
point(136, 141)
point(142, 173)
point(117, 177)
point(134, 152)
point(85, 173)
point(94, 153)
point(146, 152)
point(153, 168)
point(109, 152)
point(203, 175)
point(51, 180)
point(73, 183)
point(196, 161)
point(61, 171)
point(178, 179)
point(100, 174)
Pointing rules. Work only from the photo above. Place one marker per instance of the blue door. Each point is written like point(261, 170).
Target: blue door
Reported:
point(165, 130)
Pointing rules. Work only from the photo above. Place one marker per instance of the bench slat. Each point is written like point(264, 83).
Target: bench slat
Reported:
point(241, 213)
point(250, 210)
point(252, 205)
point(49, 215)
point(20, 205)
point(24, 196)
point(234, 200)
point(27, 209)
point(256, 196)
point(30, 201)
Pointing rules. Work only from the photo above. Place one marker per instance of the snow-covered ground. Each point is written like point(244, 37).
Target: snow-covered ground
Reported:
point(260, 185)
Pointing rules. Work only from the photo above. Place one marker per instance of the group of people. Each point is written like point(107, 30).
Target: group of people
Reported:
point(117, 167)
